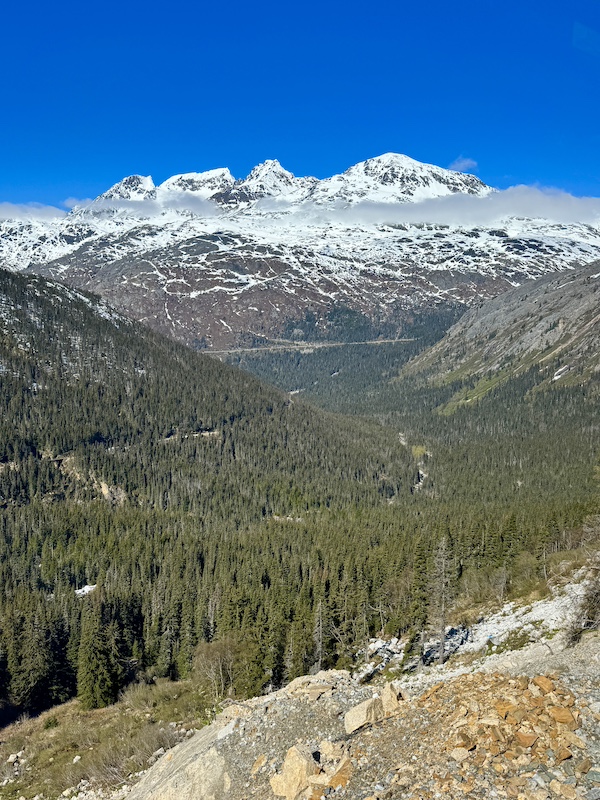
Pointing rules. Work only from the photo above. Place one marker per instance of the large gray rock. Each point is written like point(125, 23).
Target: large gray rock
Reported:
point(364, 714)
point(192, 770)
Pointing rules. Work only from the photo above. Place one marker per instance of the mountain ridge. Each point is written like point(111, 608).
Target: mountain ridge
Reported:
point(552, 324)
point(410, 179)
point(216, 262)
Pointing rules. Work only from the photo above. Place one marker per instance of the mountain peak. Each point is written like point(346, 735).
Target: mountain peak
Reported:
point(270, 173)
point(134, 187)
point(201, 184)
point(270, 179)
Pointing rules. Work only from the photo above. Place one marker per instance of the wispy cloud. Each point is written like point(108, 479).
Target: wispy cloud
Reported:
point(75, 202)
point(459, 209)
point(179, 201)
point(30, 211)
point(463, 164)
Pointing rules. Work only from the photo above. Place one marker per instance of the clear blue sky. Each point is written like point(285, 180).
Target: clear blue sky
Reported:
point(95, 91)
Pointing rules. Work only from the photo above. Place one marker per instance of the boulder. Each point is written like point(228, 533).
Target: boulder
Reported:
point(298, 767)
point(364, 714)
point(390, 698)
point(191, 770)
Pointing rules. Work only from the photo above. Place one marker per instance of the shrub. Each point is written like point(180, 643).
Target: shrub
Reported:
point(587, 615)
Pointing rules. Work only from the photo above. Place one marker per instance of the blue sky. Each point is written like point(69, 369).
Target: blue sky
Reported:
point(93, 92)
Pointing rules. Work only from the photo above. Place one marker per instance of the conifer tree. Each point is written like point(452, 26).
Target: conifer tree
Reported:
point(96, 684)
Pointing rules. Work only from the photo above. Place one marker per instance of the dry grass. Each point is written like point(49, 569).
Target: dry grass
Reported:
point(109, 744)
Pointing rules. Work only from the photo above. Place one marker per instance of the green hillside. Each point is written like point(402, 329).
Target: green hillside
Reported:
point(130, 462)
point(216, 515)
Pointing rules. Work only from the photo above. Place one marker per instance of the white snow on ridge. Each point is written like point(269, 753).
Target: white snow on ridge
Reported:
point(201, 184)
point(368, 219)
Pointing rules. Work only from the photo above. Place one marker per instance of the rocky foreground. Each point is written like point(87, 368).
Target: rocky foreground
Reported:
point(475, 734)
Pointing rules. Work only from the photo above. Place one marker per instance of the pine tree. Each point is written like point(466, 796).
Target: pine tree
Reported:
point(96, 684)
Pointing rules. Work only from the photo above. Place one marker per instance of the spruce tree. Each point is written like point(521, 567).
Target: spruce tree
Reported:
point(96, 684)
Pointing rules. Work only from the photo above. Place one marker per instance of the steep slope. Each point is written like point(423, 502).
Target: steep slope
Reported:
point(479, 734)
point(215, 262)
point(80, 378)
point(552, 324)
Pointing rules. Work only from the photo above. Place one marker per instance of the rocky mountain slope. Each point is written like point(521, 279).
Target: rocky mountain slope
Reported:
point(552, 323)
point(214, 261)
point(476, 735)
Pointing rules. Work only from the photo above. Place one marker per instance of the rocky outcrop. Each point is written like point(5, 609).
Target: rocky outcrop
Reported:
point(474, 734)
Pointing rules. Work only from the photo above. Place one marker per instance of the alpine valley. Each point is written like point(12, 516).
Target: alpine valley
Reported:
point(413, 496)
point(216, 262)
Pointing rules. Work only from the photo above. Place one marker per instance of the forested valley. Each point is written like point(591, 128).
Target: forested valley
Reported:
point(209, 510)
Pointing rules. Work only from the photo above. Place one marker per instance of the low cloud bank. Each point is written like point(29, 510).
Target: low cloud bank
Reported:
point(458, 209)
point(553, 206)
point(175, 201)
point(30, 211)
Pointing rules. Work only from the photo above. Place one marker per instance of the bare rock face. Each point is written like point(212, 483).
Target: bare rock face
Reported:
point(192, 770)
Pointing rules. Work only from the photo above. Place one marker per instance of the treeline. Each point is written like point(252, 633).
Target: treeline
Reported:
point(291, 594)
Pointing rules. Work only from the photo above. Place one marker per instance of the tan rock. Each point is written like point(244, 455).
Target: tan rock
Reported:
point(583, 766)
point(562, 754)
point(568, 791)
point(313, 693)
point(390, 698)
point(555, 787)
point(298, 767)
point(573, 739)
point(526, 739)
point(331, 750)
point(459, 754)
point(431, 691)
point(258, 764)
point(363, 714)
point(489, 720)
point(560, 714)
point(505, 708)
point(544, 683)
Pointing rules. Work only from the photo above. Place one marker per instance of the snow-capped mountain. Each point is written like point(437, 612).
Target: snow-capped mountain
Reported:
point(216, 261)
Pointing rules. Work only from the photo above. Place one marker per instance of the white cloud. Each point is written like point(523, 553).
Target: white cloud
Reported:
point(527, 202)
point(29, 211)
point(75, 202)
point(463, 164)
point(180, 201)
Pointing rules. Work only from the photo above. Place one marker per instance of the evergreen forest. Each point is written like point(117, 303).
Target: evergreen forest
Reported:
point(158, 507)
